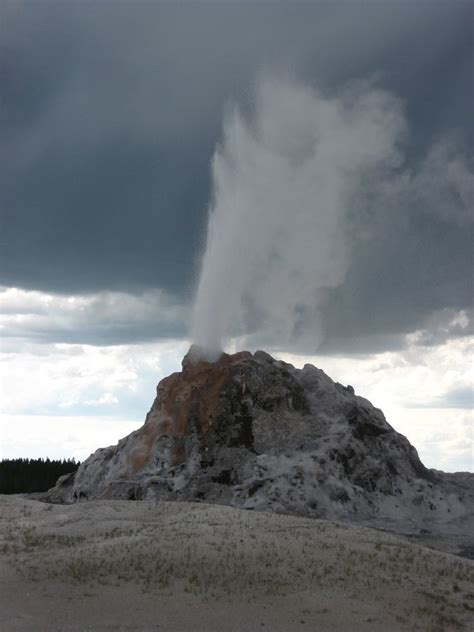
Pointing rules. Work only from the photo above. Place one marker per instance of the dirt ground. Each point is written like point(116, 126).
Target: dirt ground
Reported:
point(144, 566)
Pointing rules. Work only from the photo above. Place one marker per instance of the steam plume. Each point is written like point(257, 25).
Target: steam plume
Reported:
point(283, 184)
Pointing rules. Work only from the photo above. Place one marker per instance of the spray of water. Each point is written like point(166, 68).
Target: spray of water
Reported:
point(284, 182)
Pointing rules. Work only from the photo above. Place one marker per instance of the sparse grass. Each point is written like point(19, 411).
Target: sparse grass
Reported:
point(217, 552)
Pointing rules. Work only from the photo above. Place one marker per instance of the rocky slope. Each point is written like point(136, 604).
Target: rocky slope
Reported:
point(253, 432)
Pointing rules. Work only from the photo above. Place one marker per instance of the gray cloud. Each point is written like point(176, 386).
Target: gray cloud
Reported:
point(109, 118)
point(104, 318)
point(461, 398)
point(457, 398)
point(413, 264)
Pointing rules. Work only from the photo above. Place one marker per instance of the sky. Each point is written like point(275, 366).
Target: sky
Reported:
point(114, 127)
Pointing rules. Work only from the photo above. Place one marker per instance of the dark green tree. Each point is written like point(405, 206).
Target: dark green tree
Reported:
point(19, 476)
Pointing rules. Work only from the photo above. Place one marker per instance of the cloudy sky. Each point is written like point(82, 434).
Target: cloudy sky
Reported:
point(110, 116)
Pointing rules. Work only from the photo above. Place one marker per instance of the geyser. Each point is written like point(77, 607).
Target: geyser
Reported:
point(284, 181)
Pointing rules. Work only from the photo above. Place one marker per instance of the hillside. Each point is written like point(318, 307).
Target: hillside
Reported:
point(187, 567)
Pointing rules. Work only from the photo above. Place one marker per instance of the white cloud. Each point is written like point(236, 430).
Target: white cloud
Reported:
point(49, 378)
point(104, 400)
point(62, 436)
point(58, 379)
point(61, 400)
point(442, 436)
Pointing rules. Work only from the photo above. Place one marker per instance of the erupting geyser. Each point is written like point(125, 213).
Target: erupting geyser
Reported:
point(284, 184)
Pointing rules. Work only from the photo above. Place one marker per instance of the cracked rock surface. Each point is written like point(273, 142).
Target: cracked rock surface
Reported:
point(253, 432)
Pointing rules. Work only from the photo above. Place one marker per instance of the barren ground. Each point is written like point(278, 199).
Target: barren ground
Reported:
point(143, 566)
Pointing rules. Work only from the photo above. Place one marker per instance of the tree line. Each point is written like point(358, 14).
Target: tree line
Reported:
point(18, 476)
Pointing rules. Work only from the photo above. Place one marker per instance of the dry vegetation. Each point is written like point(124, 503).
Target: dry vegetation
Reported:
point(339, 576)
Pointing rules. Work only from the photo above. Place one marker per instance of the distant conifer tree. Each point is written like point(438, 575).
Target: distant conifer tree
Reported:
point(19, 476)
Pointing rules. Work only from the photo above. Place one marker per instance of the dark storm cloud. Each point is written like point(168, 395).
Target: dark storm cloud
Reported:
point(413, 274)
point(110, 114)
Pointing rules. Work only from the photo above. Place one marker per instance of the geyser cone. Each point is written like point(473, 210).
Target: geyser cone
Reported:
point(254, 432)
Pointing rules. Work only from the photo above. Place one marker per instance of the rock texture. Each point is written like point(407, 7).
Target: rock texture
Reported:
point(254, 432)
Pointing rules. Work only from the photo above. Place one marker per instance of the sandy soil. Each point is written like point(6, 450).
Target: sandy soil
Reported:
point(140, 566)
